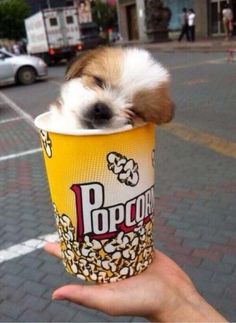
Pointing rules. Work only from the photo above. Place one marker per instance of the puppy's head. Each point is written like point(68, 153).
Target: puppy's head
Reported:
point(111, 87)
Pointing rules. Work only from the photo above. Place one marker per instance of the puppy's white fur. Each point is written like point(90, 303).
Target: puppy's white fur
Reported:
point(141, 71)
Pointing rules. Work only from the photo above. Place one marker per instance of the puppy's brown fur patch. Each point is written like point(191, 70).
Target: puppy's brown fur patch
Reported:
point(158, 106)
point(103, 63)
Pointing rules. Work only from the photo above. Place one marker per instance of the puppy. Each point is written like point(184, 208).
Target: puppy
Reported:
point(108, 88)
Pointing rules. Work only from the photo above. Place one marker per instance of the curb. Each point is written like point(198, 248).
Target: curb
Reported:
point(173, 46)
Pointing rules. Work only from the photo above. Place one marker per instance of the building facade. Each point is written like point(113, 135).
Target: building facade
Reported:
point(37, 5)
point(131, 14)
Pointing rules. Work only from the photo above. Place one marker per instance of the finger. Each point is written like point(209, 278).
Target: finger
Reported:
point(53, 248)
point(107, 298)
point(96, 297)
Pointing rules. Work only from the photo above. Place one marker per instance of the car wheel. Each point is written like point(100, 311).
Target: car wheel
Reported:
point(26, 75)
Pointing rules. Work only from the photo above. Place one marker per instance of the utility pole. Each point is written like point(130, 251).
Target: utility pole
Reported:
point(49, 4)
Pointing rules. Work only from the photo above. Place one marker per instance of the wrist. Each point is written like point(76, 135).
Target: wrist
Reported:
point(189, 308)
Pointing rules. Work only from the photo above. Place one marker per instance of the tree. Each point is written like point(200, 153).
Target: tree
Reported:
point(157, 20)
point(104, 15)
point(12, 15)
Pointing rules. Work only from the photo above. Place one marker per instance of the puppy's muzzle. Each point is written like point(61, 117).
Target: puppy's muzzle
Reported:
point(98, 116)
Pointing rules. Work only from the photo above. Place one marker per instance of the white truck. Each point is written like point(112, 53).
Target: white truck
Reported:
point(54, 34)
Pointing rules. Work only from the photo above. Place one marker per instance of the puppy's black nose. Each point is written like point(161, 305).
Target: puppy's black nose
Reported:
point(101, 112)
point(98, 116)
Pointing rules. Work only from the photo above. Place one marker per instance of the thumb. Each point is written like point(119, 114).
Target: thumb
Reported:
point(103, 298)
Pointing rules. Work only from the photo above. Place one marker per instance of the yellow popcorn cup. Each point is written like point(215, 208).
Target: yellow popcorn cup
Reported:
point(102, 190)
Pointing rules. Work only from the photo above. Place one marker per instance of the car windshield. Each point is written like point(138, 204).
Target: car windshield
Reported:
point(6, 53)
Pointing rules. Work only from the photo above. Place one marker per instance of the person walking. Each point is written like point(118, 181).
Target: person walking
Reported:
point(191, 24)
point(227, 17)
point(184, 25)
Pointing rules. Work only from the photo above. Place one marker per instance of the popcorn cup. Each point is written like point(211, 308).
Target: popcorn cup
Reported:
point(102, 190)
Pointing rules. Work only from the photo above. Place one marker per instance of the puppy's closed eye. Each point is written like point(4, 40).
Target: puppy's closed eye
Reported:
point(99, 82)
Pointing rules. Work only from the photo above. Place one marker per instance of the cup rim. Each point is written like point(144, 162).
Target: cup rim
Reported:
point(38, 122)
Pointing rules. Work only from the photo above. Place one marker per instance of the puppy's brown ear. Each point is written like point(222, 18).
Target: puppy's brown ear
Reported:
point(76, 66)
point(154, 105)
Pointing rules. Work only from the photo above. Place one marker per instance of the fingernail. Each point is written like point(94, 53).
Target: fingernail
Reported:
point(57, 297)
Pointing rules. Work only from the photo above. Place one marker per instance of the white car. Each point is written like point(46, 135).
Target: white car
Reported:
point(23, 69)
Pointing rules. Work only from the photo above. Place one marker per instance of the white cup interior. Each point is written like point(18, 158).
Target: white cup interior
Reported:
point(45, 122)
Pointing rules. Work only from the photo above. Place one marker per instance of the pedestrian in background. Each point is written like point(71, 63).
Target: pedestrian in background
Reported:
point(227, 16)
point(184, 25)
point(191, 24)
point(15, 49)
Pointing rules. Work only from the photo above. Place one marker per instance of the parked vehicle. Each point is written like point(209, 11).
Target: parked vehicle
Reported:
point(54, 34)
point(90, 36)
point(23, 69)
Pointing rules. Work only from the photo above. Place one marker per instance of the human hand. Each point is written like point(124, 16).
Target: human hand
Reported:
point(162, 293)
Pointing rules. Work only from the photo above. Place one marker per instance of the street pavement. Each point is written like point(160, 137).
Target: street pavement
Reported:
point(195, 221)
point(201, 45)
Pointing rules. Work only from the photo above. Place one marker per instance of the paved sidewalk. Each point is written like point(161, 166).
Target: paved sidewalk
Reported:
point(206, 45)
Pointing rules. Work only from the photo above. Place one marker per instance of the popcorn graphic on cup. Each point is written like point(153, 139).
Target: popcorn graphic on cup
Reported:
point(105, 260)
point(125, 169)
point(47, 144)
point(102, 188)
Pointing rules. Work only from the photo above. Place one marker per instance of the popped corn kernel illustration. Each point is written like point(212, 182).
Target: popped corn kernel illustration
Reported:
point(129, 174)
point(47, 143)
point(116, 162)
point(125, 169)
point(106, 260)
